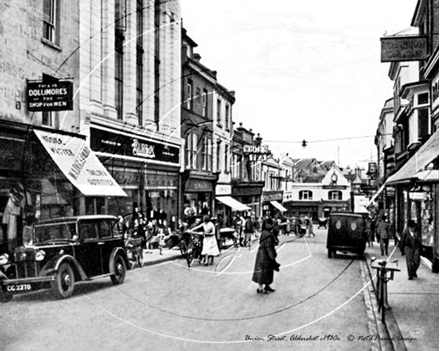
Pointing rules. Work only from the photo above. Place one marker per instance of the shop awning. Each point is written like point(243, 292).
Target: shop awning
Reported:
point(278, 206)
point(430, 175)
point(418, 162)
point(79, 164)
point(232, 203)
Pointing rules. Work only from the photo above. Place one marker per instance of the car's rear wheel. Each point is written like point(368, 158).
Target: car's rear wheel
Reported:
point(5, 296)
point(63, 285)
point(119, 270)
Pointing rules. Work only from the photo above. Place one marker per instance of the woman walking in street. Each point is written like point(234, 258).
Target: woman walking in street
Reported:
point(210, 248)
point(410, 246)
point(265, 263)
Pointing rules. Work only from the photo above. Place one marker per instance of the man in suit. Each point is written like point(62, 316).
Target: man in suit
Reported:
point(410, 246)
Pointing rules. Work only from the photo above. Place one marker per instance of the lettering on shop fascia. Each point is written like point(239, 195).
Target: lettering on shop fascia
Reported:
point(141, 149)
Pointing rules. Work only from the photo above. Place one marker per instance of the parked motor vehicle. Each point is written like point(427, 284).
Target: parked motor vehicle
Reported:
point(62, 252)
point(346, 233)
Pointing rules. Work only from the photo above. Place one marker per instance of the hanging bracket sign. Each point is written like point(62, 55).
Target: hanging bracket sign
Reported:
point(403, 48)
point(50, 96)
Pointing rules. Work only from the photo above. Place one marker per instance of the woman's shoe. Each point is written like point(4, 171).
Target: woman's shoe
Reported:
point(261, 291)
point(269, 289)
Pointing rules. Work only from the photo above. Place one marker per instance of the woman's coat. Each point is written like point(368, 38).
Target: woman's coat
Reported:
point(263, 270)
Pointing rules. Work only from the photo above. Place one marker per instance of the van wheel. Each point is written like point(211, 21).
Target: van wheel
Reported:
point(329, 253)
point(119, 270)
point(62, 286)
point(5, 296)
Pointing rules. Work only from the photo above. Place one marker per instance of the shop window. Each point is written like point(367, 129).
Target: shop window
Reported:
point(335, 195)
point(306, 195)
point(51, 20)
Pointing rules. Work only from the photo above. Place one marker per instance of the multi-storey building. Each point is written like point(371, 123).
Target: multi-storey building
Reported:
point(130, 98)
point(206, 127)
point(413, 177)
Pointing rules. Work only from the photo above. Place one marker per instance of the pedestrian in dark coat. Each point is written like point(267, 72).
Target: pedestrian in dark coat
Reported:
point(384, 234)
point(265, 263)
point(410, 246)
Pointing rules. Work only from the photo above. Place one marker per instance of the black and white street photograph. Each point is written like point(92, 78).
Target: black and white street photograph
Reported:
point(219, 175)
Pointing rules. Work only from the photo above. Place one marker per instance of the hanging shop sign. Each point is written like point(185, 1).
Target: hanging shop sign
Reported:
point(409, 48)
point(50, 96)
point(138, 147)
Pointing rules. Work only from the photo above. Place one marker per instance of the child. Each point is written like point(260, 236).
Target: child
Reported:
point(161, 240)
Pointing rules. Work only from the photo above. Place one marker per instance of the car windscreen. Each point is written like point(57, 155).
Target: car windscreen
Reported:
point(47, 233)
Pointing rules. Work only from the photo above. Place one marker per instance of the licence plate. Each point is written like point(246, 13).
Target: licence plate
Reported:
point(18, 288)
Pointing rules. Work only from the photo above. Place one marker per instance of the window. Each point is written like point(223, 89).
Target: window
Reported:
point(157, 34)
point(422, 99)
point(335, 195)
point(50, 25)
point(139, 59)
point(119, 72)
point(104, 229)
point(188, 150)
point(204, 102)
point(207, 154)
point(194, 151)
point(219, 110)
point(48, 119)
point(189, 94)
point(226, 158)
point(227, 117)
point(219, 147)
point(305, 195)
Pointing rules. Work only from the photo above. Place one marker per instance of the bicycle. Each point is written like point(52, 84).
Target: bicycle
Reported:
point(383, 267)
point(191, 246)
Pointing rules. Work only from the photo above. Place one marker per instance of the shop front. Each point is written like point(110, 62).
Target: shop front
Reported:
point(146, 169)
point(249, 194)
point(198, 195)
point(46, 174)
point(271, 203)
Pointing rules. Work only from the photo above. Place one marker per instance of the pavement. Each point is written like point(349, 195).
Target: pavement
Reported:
point(412, 321)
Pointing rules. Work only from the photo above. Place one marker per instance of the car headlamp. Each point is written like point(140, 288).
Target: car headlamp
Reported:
point(39, 256)
point(4, 259)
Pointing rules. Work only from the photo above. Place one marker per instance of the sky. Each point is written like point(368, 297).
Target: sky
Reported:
point(302, 70)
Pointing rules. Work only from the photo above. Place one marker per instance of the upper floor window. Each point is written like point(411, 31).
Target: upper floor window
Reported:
point(226, 158)
point(335, 195)
point(306, 195)
point(227, 117)
point(50, 20)
point(207, 154)
point(219, 147)
point(219, 111)
point(191, 150)
point(204, 102)
point(189, 90)
point(422, 99)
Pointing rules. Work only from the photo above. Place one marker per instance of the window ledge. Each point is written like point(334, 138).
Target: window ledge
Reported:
point(51, 44)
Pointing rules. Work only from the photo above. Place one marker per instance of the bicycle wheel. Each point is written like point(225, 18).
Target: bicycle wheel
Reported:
point(190, 255)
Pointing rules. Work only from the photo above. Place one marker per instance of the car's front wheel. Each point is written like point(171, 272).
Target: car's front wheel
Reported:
point(62, 286)
point(119, 270)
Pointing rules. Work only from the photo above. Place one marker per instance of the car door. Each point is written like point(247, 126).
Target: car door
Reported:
point(107, 242)
point(89, 251)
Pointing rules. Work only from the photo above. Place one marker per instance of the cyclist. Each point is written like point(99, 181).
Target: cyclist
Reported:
point(210, 248)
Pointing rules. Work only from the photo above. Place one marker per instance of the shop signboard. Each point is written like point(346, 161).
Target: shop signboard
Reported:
point(137, 147)
point(50, 96)
point(403, 48)
point(197, 185)
point(272, 196)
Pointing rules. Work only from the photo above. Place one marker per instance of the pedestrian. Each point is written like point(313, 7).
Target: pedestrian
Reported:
point(249, 228)
point(265, 263)
point(161, 239)
point(384, 234)
point(410, 246)
point(369, 231)
point(309, 227)
point(210, 248)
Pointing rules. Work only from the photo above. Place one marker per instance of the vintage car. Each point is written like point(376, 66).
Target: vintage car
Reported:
point(63, 251)
point(346, 233)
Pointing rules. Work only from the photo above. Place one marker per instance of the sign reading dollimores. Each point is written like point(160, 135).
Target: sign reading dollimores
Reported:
point(50, 96)
point(79, 164)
